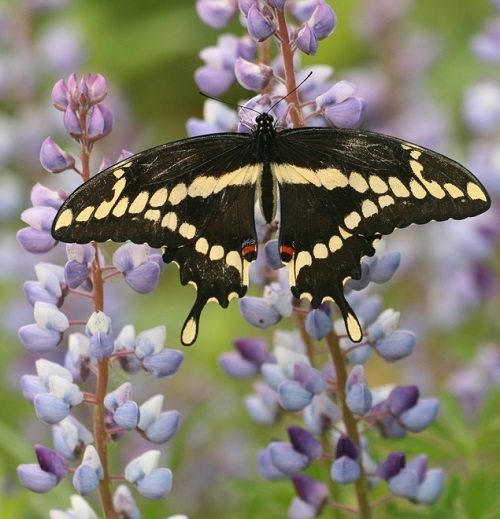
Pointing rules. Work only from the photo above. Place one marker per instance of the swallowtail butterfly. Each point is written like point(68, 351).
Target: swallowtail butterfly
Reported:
point(336, 192)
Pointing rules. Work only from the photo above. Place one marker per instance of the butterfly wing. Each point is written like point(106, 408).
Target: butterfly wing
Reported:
point(341, 189)
point(191, 197)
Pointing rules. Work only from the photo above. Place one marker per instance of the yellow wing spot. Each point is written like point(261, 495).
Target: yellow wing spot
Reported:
point(159, 197)
point(65, 219)
point(152, 214)
point(332, 178)
point(85, 214)
point(118, 173)
point(216, 252)
point(139, 203)
point(417, 190)
point(377, 184)
point(169, 221)
point(352, 220)
point(431, 185)
point(306, 295)
point(202, 186)
point(475, 192)
point(288, 174)
point(121, 207)
point(345, 234)
point(320, 251)
point(368, 208)
point(189, 331)
point(178, 194)
point(233, 259)
point(398, 188)
point(187, 230)
point(415, 154)
point(202, 246)
point(105, 207)
point(335, 244)
point(358, 182)
point(353, 328)
point(245, 273)
point(453, 190)
point(232, 295)
point(303, 259)
point(385, 201)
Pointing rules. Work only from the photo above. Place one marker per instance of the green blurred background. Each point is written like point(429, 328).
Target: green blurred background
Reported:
point(148, 52)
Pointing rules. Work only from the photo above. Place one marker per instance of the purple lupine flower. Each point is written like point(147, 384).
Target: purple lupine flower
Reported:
point(37, 238)
point(340, 106)
point(263, 406)
point(87, 475)
point(345, 469)
point(359, 397)
point(53, 158)
point(260, 24)
point(246, 362)
point(311, 497)
point(140, 267)
point(216, 13)
point(151, 482)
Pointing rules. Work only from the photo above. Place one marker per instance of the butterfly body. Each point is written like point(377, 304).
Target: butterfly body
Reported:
point(334, 192)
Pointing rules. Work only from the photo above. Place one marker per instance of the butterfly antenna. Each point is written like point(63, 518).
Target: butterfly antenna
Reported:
point(291, 91)
point(236, 105)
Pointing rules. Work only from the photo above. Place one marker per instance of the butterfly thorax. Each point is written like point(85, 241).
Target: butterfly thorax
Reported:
point(265, 139)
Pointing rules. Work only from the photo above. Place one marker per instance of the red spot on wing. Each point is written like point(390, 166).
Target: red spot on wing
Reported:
point(287, 252)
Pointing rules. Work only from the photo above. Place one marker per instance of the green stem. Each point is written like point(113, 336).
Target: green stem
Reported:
point(350, 423)
point(99, 426)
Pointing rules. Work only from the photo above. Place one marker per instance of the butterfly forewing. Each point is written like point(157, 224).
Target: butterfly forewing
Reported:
point(339, 190)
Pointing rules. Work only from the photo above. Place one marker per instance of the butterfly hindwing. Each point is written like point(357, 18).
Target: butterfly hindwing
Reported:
point(341, 189)
point(191, 197)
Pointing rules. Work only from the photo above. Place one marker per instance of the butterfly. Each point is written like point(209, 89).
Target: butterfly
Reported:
point(336, 192)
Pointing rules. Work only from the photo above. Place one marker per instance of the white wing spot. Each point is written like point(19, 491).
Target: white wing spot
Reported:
point(320, 251)
point(178, 194)
point(85, 214)
point(335, 243)
point(368, 208)
point(169, 221)
point(186, 230)
point(159, 197)
point(139, 203)
point(398, 188)
point(216, 252)
point(358, 182)
point(202, 246)
point(352, 220)
point(377, 184)
point(453, 190)
point(475, 192)
point(385, 201)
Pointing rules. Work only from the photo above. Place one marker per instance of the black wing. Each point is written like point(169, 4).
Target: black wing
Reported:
point(341, 189)
point(195, 197)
